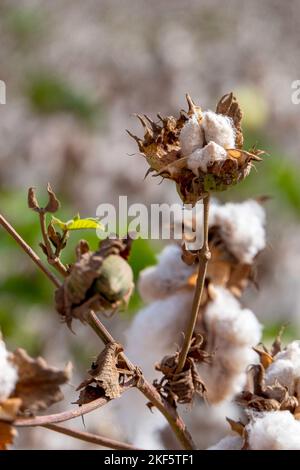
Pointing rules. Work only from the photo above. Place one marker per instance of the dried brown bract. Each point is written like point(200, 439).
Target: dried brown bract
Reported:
point(105, 375)
point(101, 280)
point(182, 387)
point(38, 384)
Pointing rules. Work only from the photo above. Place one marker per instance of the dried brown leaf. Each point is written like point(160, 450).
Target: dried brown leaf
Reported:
point(7, 435)
point(53, 203)
point(39, 384)
point(104, 372)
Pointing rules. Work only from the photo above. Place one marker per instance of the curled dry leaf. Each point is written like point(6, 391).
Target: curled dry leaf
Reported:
point(184, 386)
point(38, 385)
point(104, 375)
point(53, 203)
point(32, 200)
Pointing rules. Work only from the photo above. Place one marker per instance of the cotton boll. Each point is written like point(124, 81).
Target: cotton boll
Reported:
point(232, 324)
point(8, 373)
point(154, 333)
point(219, 129)
point(286, 368)
point(232, 333)
point(276, 430)
point(242, 228)
point(162, 280)
point(205, 157)
point(228, 443)
point(191, 136)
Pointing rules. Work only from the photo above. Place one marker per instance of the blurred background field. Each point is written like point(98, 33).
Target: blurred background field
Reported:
point(75, 74)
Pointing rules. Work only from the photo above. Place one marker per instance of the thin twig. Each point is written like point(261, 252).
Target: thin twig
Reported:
point(35, 258)
point(146, 388)
point(63, 416)
point(53, 260)
point(203, 257)
point(93, 438)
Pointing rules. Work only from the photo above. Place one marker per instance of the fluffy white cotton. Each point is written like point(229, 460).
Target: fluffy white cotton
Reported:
point(286, 368)
point(232, 333)
point(203, 158)
point(155, 331)
point(191, 136)
point(8, 373)
point(219, 129)
point(242, 228)
point(276, 430)
point(169, 275)
point(228, 443)
point(207, 423)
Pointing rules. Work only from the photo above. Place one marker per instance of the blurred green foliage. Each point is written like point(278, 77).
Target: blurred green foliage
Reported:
point(49, 94)
point(24, 23)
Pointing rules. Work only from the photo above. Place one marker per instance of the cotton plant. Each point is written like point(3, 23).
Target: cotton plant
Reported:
point(231, 331)
point(188, 351)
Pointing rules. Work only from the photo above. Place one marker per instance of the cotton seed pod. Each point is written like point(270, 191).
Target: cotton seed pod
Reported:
point(179, 149)
point(115, 280)
point(100, 280)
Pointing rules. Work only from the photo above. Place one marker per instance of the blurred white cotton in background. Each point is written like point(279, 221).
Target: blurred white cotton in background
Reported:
point(8, 373)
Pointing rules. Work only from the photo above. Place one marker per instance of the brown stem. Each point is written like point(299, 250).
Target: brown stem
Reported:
point(147, 389)
point(53, 260)
point(93, 438)
point(203, 257)
point(35, 258)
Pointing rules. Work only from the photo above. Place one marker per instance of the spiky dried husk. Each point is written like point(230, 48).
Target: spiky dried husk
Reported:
point(161, 148)
point(184, 386)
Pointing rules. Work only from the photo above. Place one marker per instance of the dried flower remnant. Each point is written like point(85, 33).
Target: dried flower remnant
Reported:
point(200, 151)
point(100, 280)
point(184, 386)
point(274, 383)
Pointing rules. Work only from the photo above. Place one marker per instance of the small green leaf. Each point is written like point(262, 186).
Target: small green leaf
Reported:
point(77, 223)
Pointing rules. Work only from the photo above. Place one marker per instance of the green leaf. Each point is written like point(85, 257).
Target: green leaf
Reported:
point(78, 224)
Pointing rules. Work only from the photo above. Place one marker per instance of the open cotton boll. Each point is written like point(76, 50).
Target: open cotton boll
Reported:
point(204, 157)
point(228, 443)
point(162, 280)
point(219, 129)
point(191, 136)
point(8, 373)
point(242, 228)
point(286, 368)
point(232, 333)
point(276, 430)
point(154, 332)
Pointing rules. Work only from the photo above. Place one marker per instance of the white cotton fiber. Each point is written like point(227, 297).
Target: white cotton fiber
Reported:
point(191, 136)
point(8, 373)
point(232, 333)
point(162, 280)
point(242, 228)
point(219, 129)
point(203, 158)
point(275, 430)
